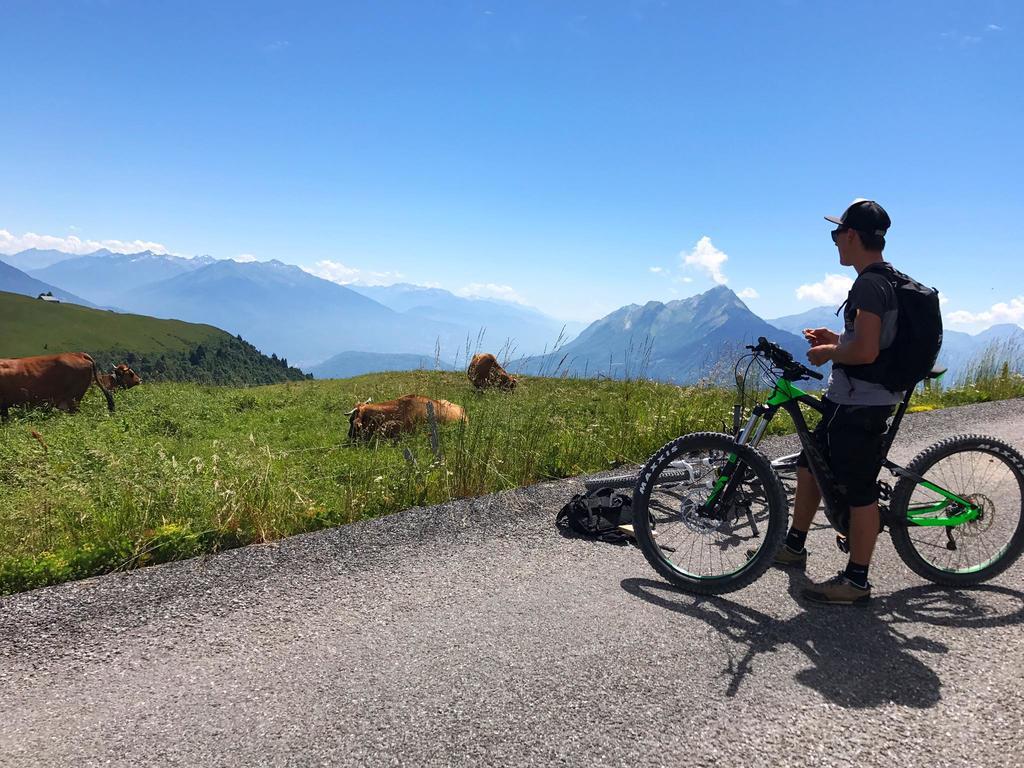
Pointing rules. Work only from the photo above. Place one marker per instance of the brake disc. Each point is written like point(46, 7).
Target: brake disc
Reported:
point(689, 514)
point(983, 521)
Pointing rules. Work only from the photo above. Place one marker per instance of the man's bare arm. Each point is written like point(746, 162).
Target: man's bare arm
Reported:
point(860, 350)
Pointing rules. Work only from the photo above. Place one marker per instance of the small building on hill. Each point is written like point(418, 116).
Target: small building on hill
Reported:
point(48, 296)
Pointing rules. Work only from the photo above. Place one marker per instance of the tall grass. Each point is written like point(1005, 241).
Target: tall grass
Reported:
point(996, 373)
point(180, 470)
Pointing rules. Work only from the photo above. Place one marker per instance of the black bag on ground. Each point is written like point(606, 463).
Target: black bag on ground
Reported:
point(597, 515)
point(918, 331)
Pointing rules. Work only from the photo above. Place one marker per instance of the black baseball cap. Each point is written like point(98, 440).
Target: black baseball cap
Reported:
point(864, 216)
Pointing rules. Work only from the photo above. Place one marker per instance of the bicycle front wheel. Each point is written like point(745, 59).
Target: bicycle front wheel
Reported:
point(982, 471)
point(718, 529)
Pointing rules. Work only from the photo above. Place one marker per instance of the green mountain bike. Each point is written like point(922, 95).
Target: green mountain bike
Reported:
point(705, 500)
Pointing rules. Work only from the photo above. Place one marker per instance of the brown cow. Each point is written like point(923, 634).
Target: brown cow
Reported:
point(120, 377)
point(57, 380)
point(485, 371)
point(393, 417)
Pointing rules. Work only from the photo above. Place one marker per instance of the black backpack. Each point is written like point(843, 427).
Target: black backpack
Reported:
point(918, 331)
point(597, 515)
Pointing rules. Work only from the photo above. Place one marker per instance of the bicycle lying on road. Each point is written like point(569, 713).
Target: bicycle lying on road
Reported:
point(710, 511)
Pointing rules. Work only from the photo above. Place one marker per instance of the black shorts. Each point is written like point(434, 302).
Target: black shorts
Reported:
point(850, 438)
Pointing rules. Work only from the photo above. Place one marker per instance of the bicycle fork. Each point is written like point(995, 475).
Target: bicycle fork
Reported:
point(729, 479)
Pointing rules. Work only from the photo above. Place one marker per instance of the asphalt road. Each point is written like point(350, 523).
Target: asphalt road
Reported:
point(474, 634)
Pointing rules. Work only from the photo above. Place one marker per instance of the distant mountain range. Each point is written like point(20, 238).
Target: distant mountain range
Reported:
point(340, 331)
point(109, 279)
point(681, 341)
point(819, 317)
point(35, 258)
point(503, 323)
point(282, 308)
point(349, 364)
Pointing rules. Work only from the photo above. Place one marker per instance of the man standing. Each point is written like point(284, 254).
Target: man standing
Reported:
point(858, 405)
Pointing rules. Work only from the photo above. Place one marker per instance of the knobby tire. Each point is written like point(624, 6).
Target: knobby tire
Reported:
point(901, 534)
point(771, 538)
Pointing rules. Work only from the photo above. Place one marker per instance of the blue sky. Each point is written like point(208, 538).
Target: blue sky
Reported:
point(558, 152)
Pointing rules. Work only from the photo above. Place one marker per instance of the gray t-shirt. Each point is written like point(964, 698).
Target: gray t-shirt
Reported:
point(873, 293)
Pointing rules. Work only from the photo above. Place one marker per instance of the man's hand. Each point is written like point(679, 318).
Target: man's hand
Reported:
point(818, 336)
point(821, 354)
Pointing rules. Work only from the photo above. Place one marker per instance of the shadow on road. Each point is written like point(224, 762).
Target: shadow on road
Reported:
point(862, 656)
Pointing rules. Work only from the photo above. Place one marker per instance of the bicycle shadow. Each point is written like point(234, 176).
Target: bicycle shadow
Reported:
point(862, 657)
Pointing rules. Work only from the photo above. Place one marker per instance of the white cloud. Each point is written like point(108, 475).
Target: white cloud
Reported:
point(11, 243)
point(943, 299)
point(994, 28)
point(657, 270)
point(1002, 312)
point(706, 258)
point(490, 291)
point(685, 279)
point(831, 290)
point(245, 258)
point(963, 39)
point(342, 274)
point(748, 293)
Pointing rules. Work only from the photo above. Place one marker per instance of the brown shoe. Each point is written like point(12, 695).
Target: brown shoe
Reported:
point(786, 557)
point(839, 591)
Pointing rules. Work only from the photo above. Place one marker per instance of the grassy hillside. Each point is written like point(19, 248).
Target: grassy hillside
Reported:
point(182, 469)
point(160, 350)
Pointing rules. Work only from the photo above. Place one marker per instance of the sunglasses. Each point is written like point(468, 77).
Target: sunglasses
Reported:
point(837, 232)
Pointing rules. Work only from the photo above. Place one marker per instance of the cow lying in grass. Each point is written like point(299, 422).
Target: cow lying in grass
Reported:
point(60, 381)
point(120, 377)
point(404, 414)
point(485, 371)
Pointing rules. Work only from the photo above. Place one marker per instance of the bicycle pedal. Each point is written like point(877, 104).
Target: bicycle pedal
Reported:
point(843, 544)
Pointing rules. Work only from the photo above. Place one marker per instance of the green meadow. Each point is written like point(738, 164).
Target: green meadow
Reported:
point(181, 469)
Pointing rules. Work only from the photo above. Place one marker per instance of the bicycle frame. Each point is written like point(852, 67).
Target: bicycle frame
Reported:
point(950, 511)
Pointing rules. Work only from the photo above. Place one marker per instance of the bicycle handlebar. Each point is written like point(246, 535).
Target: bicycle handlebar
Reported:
point(784, 360)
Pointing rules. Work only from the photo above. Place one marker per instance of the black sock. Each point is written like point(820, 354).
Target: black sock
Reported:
point(795, 540)
point(858, 574)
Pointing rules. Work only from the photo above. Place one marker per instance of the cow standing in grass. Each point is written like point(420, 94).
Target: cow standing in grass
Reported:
point(393, 417)
point(485, 371)
point(60, 381)
point(120, 377)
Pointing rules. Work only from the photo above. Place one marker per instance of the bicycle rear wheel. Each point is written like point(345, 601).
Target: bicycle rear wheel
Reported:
point(983, 471)
point(696, 537)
